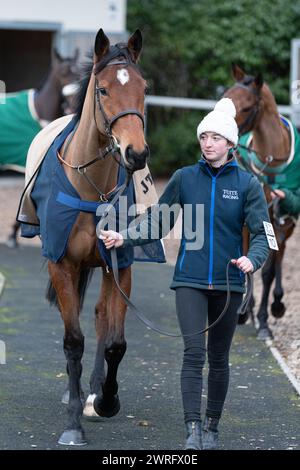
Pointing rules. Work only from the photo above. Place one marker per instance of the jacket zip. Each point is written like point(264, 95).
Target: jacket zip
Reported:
point(211, 225)
point(211, 232)
point(211, 228)
point(182, 256)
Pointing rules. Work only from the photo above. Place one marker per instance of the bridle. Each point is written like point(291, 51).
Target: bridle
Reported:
point(117, 55)
point(251, 118)
point(108, 123)
point(246, 126)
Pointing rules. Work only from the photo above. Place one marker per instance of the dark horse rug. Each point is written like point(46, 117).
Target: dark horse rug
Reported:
point(58, 205)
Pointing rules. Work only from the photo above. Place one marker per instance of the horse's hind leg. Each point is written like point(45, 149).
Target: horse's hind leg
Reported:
point(278, 307)
point(268, 274)
point(107, 404)
point(65, 282)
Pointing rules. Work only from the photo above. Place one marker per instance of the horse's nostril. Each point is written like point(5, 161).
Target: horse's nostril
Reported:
point(136, 160)
point(128, 152)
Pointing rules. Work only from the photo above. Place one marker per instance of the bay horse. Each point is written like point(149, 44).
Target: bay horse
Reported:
point(27, 112)
point(111, 110)
point(266, 155)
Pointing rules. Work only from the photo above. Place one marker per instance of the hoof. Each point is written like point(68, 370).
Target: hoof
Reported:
point(107, 408)
point(278, 309)
point(66, 397)
point(72, 437)
point(264, 334)
point(243, 318)
point(89, 412)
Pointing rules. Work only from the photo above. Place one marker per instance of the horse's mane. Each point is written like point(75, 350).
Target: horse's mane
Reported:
point(86, 70)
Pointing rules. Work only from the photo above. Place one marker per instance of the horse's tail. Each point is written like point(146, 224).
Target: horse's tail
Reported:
point(84, 280)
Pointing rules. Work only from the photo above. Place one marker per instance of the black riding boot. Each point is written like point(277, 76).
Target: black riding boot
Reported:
point(210, 434)
point(194, 435)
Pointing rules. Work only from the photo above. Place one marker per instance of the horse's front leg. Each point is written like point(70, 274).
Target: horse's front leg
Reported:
point(268, 274)
point(278, 307)
point(101, 325)
point(107, 403)
point(65, 282)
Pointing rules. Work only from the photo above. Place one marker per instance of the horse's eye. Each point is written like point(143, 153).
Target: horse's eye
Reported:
point(103, 91)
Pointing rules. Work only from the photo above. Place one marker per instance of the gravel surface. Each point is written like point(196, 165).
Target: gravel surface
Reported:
point(286, 330)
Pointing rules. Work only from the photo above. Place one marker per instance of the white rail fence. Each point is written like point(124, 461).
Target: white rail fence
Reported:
point(193, 103)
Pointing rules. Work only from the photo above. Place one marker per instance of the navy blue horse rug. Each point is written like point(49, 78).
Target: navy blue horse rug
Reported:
point(58, 205)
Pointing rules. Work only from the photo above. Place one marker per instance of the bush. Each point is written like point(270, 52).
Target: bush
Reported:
point(188, 48)
point(175, 144)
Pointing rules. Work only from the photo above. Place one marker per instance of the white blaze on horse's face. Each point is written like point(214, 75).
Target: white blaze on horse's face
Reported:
point(123, 76)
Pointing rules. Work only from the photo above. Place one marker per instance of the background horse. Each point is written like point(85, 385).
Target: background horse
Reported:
point(26, 112)
point(110, 116)
point(266, 155)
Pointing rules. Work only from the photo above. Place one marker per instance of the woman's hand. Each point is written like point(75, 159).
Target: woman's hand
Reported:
point(277, 193)
point(244, 264)
point(111, 239)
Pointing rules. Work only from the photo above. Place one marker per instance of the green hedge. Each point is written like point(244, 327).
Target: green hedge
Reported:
point(175, 144)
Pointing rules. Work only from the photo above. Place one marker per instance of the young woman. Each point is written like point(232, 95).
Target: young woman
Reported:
point(231, 197)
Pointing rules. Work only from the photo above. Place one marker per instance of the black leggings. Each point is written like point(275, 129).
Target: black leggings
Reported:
point(194, 306)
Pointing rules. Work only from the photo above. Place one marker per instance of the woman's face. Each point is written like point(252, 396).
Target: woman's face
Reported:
point(214, 147)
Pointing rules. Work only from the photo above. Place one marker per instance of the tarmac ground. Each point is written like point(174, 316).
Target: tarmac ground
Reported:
point(262, 409)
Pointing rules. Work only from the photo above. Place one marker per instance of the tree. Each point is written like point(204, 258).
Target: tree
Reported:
point(189, 46)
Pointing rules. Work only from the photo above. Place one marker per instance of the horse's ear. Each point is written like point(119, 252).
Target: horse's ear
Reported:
point(135, 44)
point(101, 46)
point(259, 81)
point(237, 73)
point(55, 55)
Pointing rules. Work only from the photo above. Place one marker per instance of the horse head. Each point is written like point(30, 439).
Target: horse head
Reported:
point(119, 97)
point(247, 98)
point(65, 73)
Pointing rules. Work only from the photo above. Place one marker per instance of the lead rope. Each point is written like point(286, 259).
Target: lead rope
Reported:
point(137, 311)
point(149, 324)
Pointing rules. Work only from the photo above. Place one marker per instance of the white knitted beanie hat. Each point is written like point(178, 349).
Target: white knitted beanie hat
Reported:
point(221, 121)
